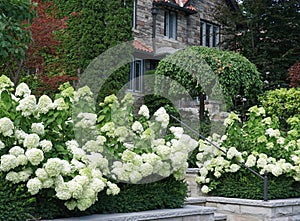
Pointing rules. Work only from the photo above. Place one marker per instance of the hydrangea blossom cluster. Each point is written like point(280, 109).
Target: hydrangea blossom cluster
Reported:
point(268, 149)
point(41, 150)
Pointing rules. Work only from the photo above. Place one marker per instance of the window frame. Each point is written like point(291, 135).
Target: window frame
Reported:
point(170, 24)
point(213, 38)
point(136, 79)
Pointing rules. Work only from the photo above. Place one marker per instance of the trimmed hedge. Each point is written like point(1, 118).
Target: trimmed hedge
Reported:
point(244, 184)
point(20, 205)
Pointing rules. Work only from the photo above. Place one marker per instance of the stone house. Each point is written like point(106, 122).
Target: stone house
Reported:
point(161, 27)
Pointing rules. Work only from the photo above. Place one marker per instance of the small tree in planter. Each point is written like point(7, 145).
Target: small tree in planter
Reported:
point(261, 144)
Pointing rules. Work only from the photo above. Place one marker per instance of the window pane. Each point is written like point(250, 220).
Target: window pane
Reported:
point(137, 75)
point(202, 42)
point(208, 34)
point(215, 36)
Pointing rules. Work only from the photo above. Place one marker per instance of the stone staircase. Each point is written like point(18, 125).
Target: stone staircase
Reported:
point(201, 201)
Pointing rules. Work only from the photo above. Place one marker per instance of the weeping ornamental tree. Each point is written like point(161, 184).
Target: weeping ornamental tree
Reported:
point(222, 75)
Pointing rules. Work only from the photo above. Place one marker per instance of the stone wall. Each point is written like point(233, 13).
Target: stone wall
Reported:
point(188, 26)
point(256, 210)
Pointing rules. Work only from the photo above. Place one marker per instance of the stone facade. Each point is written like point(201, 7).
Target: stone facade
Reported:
point(188, 25)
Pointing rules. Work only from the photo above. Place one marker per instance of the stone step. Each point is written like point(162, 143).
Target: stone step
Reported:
point(220, 217)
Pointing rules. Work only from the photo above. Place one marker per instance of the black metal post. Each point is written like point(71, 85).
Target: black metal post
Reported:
point(266, 186)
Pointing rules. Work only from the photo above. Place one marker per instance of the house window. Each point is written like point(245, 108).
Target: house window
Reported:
point(170, 26)
point(136, 76)
point(210, 34)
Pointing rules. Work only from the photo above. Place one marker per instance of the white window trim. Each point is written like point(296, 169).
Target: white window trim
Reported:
point(133, 79)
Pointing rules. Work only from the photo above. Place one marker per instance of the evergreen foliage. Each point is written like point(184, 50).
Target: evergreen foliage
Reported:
point(267, 33)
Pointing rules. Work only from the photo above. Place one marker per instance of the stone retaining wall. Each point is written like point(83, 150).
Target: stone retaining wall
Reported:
point(256, 210)
point(187, 213)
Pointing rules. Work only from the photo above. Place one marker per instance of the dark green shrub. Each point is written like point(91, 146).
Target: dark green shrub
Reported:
point(166, 193)
point(244, 184)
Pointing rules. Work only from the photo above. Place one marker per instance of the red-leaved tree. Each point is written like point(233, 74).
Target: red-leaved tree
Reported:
point(43, 29)
point(294, 75)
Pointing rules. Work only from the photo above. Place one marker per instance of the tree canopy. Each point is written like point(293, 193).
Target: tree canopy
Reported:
point(267, 33)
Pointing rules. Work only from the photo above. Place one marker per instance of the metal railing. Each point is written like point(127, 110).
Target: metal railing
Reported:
point(263, 177)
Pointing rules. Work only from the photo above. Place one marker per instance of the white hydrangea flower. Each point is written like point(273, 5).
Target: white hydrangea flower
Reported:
point(162, 116)
point(96, 185)
point(177, 131)
point(121, 133)
point(75, 189)
point(88, 120)
point(77, 164)
point(280, 140)
point(66, 168)
point(46, 145)
point(31, 141)
point(92, 146)
point(83, 93)
point(251, 161)
point(150, 158)
point(13, 177)
point(261, 162)
point(135, 177)
point(48, 183)
point(2, 145)
point(113, 189)
point(35, 156)
point(144, 111)
point(22, 90)
point(6, 127)
point(60, 104)
point(137, 127)
point(27, 105)
point(41, 174)
point(205, 189)
point(163, 151)
point(267, 120)
point(24, 175)
point(16, 151)
point(84, 203)
point(234, 168)
point(53, 167)
point(8, 162)
point(45, 104)
point(273, 133)
point(34, 185)
point(38, 128)
point(22, 160)
point(63, 191)
point(146, 169)
point(20, 135)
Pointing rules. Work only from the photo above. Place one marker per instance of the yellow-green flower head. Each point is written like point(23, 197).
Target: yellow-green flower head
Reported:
point(110, 99)
point(5, 83)
point(67, 92)
point(231, 119)
point(83, 93)
point(128, 99)
point(259, 111)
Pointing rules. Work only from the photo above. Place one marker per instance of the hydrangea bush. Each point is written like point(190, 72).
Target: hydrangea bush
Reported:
point(45, 144)
point(259, 144)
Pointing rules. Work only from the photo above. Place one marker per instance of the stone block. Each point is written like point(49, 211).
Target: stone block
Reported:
point(257, 211)
point(232, 208)
point(282, 211)
point(234, 217)
point(296, 210)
